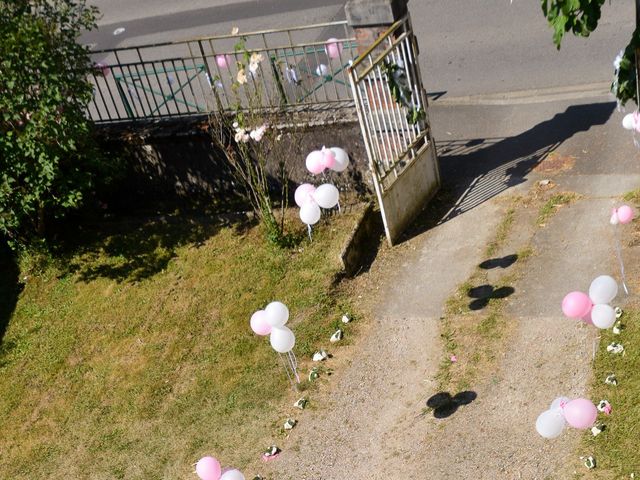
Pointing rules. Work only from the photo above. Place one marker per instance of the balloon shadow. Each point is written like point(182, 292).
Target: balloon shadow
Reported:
point(502, 262)
point(444, 405)
point(484, 293)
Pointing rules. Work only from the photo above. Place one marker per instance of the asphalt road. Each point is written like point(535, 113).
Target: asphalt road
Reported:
point(468, 47)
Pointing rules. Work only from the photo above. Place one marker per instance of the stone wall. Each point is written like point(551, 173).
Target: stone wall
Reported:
point(176, 161)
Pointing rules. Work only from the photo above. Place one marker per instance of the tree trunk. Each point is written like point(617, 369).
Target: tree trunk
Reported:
point(40, 227)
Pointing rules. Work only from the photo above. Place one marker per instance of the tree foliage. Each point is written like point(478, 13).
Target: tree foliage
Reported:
point(46, 154)
point(581, 17)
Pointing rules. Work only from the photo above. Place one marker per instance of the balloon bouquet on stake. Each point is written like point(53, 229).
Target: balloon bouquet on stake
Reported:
point(579, 413)
point(309, 198)
point(208, 468)
point(271, 321)
point(621, 215)
point(593, 308)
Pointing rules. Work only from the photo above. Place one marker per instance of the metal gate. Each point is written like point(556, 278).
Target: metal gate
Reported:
point(392, 110)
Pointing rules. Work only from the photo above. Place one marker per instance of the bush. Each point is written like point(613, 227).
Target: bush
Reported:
point(47, 158)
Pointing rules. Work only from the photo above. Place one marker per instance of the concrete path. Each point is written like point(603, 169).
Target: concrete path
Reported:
point(368, 425)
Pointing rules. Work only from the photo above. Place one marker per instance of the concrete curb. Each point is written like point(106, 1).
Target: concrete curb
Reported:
point(361, 246)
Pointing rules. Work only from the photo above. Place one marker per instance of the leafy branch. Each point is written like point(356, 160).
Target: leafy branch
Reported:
point(401, 91)
point(581, 17)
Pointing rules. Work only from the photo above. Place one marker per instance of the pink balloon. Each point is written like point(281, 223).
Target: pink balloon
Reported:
point(223, 61)
point(587, 318)
point(208, 468)
point(576, 305)
point(303, 194)
point(259, 323)
point(625, 214)
point(315, 162)
point(103, 68)
point(333, 48)
point(580, 413)
point(328, 158)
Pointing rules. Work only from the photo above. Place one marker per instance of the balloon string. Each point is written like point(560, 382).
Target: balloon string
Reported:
point(339, 209)
point(618, 243)
point(309, 232)
point(294, 365)
point(284, 364)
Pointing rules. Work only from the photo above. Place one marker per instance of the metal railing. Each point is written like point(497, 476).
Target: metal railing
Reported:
point(391, 102)
point(196, 76)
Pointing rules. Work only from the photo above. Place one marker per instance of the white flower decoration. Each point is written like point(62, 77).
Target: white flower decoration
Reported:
point(320, 355)
point(254, 62)
point(258, 133)
point(241, 77)
point(336, 337)
point(615, 348)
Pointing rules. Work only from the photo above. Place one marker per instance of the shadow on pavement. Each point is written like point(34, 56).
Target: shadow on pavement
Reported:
point(476, 170)
point(484, 293)
point(502, 262)
point(444, 405)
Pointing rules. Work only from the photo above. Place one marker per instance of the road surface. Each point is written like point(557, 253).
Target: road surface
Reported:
point(467, 47)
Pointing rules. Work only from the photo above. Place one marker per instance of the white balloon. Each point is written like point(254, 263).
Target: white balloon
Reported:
point(232, 475)
point(603, 289)
point(342, 159)
point(558, 402)
point(603, 316)
point(614, 220)
point(326, 195)
point(628, 122)
point(277, 314)
point(310, 213)
point(322, 70)
point(282, 339)
point(550, 424)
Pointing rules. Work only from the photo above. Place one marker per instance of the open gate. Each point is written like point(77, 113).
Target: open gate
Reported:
point(392, 110)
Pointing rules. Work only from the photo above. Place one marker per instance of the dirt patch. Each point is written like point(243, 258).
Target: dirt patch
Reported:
point(555, 163)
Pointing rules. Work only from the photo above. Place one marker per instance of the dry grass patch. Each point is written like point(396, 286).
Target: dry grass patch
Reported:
point(551, 206)
point(474, 327)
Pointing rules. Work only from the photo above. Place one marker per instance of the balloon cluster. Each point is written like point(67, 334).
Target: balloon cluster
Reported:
point(593, 308)
point(333, 158)
point(208, 468)
point(309, 198)
point(271, 321)
point(579, 413)
point(623, 214)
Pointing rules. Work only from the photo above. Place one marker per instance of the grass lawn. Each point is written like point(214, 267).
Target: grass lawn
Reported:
point(616, 448)
point(132, 357)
